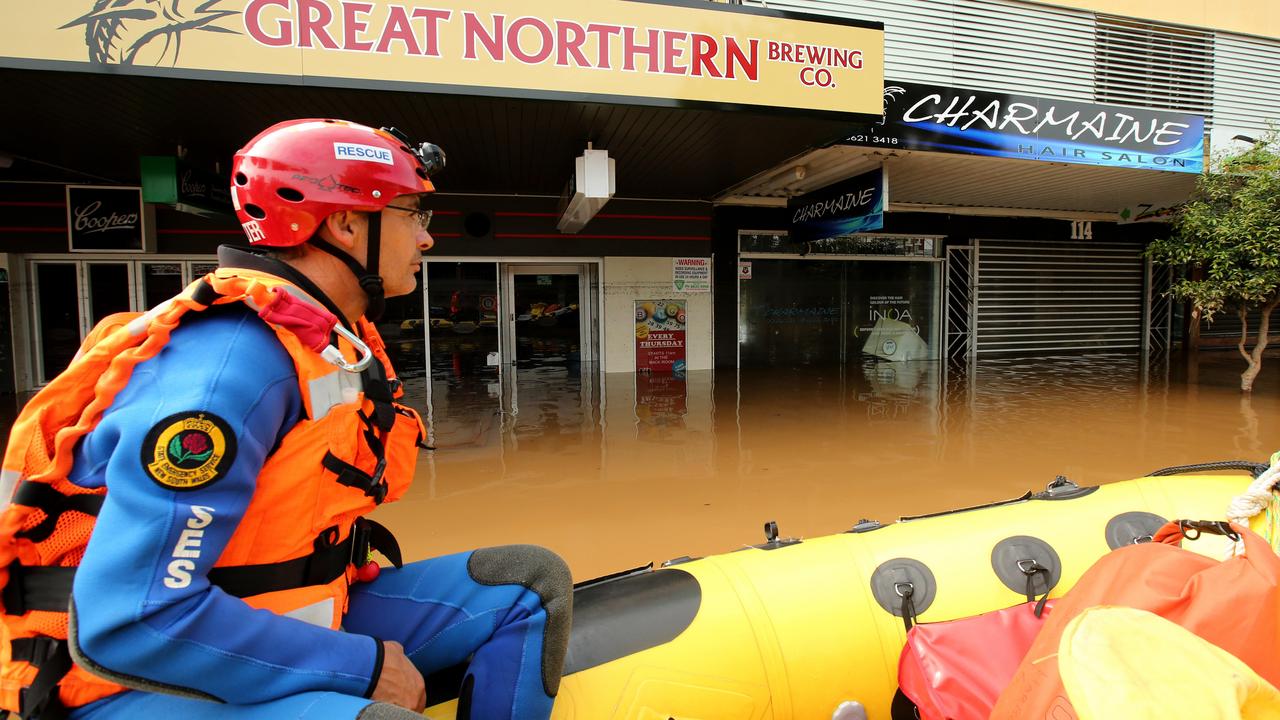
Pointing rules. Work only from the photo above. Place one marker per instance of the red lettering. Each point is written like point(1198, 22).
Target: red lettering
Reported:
point(351, 26)
point(433, 18)
point(602, 33)
point(253, 24)
point(856, 57)
point(786, 53)
point(311, 25)
point(397, 27)
point(670, 54)
point(571, 45)
point(840, 58)
point(816, 76)
point(474, 30)
point(630, 49)
point(517, 51)
point(704, 55)
point(737, 59)
point(774, 52)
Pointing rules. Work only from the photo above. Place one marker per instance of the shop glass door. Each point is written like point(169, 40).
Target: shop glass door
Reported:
point(462, 319)
point(57, 316)
point(108, 290)
point(545, 317)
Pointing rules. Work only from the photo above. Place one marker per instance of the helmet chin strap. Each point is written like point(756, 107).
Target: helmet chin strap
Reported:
point(368, 277)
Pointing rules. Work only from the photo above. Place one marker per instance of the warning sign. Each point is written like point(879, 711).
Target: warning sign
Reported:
point(691, 275)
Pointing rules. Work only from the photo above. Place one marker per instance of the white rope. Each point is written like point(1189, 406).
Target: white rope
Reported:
point(1254, 500)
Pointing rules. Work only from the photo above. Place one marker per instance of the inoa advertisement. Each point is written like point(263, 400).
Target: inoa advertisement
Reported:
point(927, 117)
point(852, 206)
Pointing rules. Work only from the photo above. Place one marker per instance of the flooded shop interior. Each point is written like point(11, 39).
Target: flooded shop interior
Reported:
point(503, 289)
point(579, 233)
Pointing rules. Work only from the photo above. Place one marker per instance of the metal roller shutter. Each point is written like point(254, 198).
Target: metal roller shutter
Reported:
point(1041, 297)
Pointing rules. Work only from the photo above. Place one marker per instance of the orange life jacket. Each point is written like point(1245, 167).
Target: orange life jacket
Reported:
point(354, 449)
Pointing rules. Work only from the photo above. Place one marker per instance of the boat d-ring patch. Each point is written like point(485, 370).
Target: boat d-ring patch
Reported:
point(889, 579)
point(1012, 556)
point(1131, 528)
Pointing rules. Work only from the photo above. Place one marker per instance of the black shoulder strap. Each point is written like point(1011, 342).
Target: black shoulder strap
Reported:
point(44, 497)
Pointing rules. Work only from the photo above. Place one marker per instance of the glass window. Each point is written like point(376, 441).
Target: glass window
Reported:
point(827, 312)
point(791, 314)
point(401, 329)
point(462, 309)
point(200, 269)
point(59, 311)
point(109, 290)
point(547, 330)
point(160, 281)
point(861, 244)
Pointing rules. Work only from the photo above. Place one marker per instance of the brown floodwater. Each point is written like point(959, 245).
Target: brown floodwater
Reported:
point(619, 472)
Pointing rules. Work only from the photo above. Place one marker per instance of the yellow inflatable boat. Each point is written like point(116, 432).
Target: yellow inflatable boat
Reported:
point(812, 629)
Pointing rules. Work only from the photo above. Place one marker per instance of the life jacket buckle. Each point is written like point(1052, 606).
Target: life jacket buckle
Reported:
point(334, 356)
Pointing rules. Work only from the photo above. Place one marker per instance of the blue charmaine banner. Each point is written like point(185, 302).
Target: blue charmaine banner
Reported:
point(851, 206)
point(972, 122)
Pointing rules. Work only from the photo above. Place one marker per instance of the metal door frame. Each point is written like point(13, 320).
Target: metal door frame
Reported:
point(26, 310)
point(37, 346)
point(507, 271)
point(85, 290)
point(960, 295)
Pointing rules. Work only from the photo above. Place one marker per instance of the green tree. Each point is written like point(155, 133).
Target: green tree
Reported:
point(1230, 232)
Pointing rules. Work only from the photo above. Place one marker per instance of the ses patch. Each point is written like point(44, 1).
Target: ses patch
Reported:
point(188, 450)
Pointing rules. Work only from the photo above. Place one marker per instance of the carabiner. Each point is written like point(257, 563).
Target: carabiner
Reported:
point(335, 356)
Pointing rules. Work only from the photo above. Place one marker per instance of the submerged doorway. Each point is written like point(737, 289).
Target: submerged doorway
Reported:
point(483, 316)
point(547, 323)
point(507, 336)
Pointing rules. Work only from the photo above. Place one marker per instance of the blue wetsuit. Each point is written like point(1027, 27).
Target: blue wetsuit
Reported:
point(142, 624)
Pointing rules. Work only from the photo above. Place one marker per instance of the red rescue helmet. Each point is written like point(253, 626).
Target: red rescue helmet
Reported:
point(294, 174)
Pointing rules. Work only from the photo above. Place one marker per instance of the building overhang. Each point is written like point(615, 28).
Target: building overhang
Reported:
point(970, 185)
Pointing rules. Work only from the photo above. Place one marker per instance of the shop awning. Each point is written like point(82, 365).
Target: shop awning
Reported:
point(96, 126)
point(939, 182)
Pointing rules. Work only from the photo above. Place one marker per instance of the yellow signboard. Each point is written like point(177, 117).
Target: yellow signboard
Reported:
point(626, 51)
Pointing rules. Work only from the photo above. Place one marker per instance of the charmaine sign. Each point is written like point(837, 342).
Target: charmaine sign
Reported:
point(663, 53)
point(943, 119)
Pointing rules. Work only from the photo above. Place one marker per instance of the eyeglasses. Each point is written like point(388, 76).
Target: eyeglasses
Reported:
point(423, 216)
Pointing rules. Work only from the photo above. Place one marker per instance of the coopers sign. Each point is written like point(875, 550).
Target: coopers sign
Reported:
point(106, 219)
point(643, 52)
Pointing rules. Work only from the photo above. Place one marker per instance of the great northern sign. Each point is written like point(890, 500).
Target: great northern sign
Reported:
point(627, 51)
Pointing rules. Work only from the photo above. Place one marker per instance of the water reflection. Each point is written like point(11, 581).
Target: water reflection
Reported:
point(623, 470)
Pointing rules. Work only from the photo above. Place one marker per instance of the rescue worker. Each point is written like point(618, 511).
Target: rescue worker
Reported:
point(186, 537)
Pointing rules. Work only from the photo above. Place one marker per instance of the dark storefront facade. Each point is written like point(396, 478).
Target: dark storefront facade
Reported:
point(685, 99)
point(989, 236)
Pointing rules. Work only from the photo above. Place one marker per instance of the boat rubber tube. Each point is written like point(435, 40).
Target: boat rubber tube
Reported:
point(793, 630)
